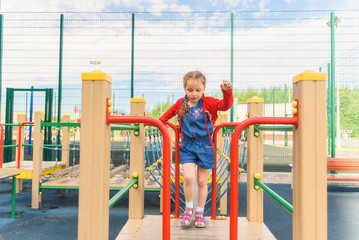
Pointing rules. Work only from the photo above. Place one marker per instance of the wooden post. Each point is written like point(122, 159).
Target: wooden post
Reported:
point(65, 142)
point(220, 139)
point(137, 158)
point(20, 119)
point(254, 163)
point(93, 219)
point(309, 158)
point(37, 159)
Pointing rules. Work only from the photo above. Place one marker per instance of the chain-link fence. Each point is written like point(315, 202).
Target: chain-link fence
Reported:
point(147, 55)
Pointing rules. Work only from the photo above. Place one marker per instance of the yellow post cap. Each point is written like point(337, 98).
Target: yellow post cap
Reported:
point(39, 111)
point(255, 99)
point(66, 115)
point(96, 75)
point(135, 174)
point(224, 114)
point(310, 75)
point(21, 114)
point(138, 99)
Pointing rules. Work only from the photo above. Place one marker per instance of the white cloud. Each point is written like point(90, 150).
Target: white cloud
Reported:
point(263, 3)
point(52, 6)
point(92, 5)
point(179, 8)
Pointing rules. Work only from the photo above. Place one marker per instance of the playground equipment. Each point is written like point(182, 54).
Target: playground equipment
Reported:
point(309, 205)
point(9, 117)
point(25, 168)
point(309, 151)
point(58, 174)
point(94, 105)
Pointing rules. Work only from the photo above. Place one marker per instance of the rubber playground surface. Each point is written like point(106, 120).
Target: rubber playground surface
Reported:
point(57, 218)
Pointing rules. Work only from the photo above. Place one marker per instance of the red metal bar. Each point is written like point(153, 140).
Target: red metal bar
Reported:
point(20, 143)
point(177, 171)
point(166, 224)
point(233, 231)
point(1, 145)
point(214, 170)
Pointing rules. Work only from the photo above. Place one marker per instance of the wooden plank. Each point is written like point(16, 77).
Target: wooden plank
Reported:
point(7, 175)
point(115, 182)
point(28, 166)
point(343, 177)
point(74, 174)
point(150, 227)
point(118, 170)
point(62, 182)
point(65, 171)
point(342, 164)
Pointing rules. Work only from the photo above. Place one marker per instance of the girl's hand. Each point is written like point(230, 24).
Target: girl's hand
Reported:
point(226, 85)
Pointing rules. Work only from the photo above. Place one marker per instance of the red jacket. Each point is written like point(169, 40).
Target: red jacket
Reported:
point(211, 106)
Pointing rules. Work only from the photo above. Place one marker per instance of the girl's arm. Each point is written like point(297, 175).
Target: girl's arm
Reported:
point(170, 113)
point(227, 101)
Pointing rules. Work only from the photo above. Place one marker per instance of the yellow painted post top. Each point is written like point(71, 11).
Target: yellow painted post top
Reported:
point(138, 99)
point(66, 115)
point(21, 114)
point(310, 75)
point(39, 111)
point(255, 99)
point(96, 75)
point(223, 114)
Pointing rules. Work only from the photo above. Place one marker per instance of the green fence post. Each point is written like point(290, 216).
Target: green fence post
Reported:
point(60, 70)
point(329, 102)
point(132, 54)
point(332, 62)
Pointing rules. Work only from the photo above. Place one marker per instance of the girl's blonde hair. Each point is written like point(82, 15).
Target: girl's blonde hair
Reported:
point(186, 77)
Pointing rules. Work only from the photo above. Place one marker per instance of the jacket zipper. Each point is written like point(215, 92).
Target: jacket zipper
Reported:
point(190, 122)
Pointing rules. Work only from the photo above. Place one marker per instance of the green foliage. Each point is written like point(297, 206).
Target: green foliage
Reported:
point(349, 113)
point(161, 108)
point(276, 93)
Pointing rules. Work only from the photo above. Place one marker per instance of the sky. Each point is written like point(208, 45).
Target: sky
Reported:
point(269, 47)
point(172, 5)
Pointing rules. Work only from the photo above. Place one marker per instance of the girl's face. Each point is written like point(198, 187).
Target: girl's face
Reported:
point(194, 91)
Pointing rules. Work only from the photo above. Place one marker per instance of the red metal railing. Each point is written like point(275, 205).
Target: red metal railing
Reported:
point(177, 171)
point(233, 231)
point(214, 170)
point(166, 224)
point(20, 142)
point(2, 145)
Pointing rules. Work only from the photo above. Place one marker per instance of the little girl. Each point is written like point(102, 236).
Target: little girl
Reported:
point(196, 116)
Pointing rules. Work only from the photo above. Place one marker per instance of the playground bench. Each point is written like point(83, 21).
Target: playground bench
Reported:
point(343, 165)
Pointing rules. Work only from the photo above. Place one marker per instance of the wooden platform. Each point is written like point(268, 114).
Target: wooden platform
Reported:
point(115, 182)
point(26, 167)
point(150, 227)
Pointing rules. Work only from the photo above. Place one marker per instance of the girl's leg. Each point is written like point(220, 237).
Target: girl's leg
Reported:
point(202, 175)
point(188, 188)
point(188, 182)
